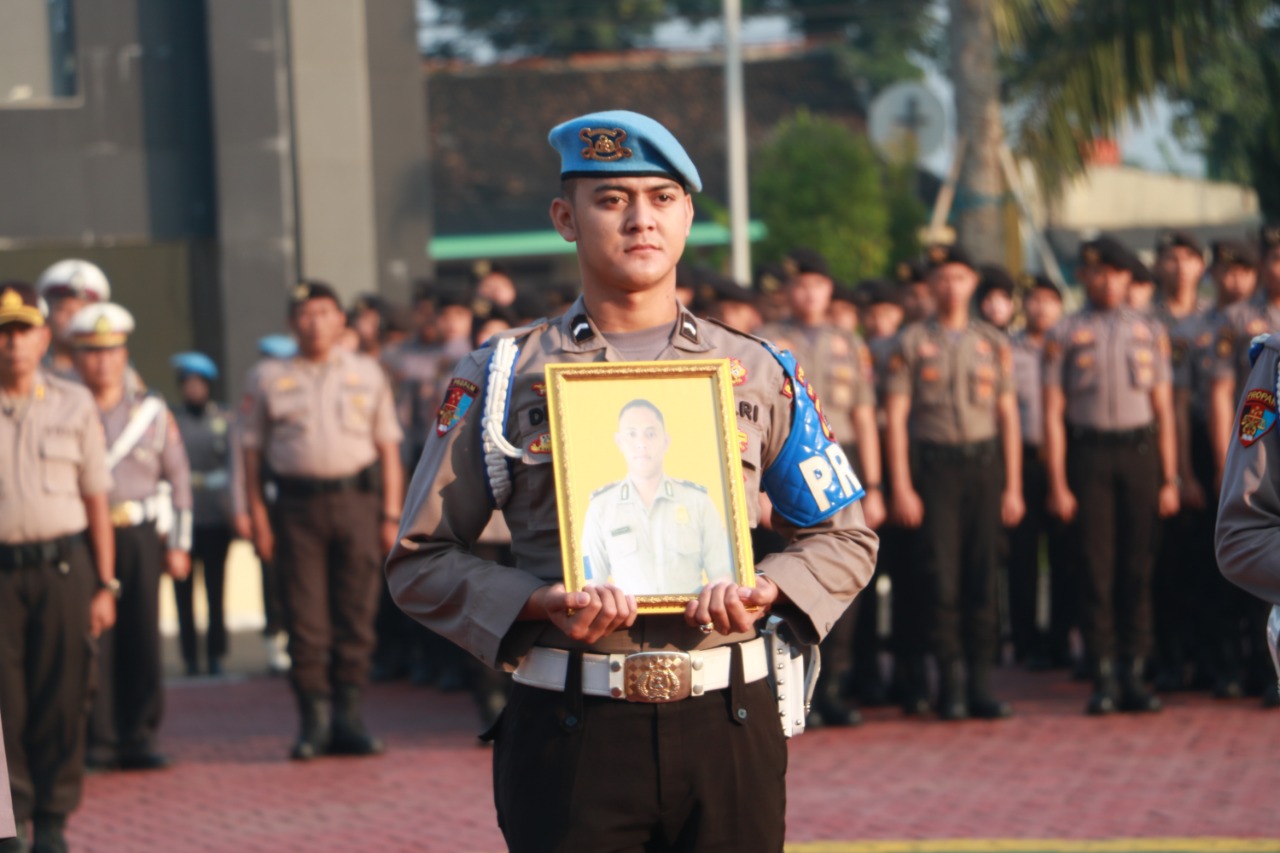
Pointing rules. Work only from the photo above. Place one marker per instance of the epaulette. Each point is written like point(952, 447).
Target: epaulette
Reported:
point(689, 483)
point(603, 489)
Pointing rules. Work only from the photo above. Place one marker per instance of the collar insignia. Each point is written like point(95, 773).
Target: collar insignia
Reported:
point(581, 329)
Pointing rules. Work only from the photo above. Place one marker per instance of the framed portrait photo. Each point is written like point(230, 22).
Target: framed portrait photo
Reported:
point(648, 475)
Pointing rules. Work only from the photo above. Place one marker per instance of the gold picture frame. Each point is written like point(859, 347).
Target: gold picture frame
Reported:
point(647, 460)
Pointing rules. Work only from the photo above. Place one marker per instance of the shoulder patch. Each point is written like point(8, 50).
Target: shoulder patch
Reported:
point(1257, 416)
point(605, 488)
point(458, 398)
point(692, 485)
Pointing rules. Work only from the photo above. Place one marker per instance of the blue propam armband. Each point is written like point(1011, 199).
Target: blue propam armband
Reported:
point(811, 479)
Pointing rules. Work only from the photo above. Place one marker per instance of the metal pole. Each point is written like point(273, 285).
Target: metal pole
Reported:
point(736, 133)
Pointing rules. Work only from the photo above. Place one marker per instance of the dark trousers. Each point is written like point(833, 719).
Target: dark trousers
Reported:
point(46, 665)
point(328, 554)
point(1117, 489)
point(272, 598)
point(707, 773)
point(1038, 529)
point(130, 700)
point(209, 546)
point(957, 547)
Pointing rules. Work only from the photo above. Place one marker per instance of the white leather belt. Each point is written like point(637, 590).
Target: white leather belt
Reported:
point(657, 676)
point(133, 513)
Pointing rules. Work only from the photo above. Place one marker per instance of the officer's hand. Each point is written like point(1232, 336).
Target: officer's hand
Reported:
point(1192, 494)
point(102, 612)
point(1012, 508)
point(389, 531)
point(1062, 504)
point(243, 526)
point(178, 564)
point(908, 509)
point(1168, 500)
point(588, 615)
point(729, 608)
point(264, 542)
point(873, 508)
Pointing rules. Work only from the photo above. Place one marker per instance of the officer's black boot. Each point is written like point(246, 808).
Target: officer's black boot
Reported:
point(350, 736)
point(1106, 692)
point(48, 834)
point(1134, 695)
point(982, 705)
point(915, 684)
point(951, 691)
point(828, 708)
point(313, 738)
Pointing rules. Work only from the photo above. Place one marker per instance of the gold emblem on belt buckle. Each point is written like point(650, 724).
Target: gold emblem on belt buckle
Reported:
point(122, 514)
point(657, 677)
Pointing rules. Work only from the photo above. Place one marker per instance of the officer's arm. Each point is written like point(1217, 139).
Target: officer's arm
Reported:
point(431, 572)
point(1162, 404)
point(387, 436)
point(717, 561)
point(95, 484)
point(1011, 440)
point(1222, 395)
point(1182, 427)
point(897, 408)
point(1248, 533)
point(175, 469)
point(102, 539)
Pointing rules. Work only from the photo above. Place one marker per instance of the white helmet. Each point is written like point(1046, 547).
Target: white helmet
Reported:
point(74, 277)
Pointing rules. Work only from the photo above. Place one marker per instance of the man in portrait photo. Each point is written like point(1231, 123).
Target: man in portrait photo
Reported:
point(648, 533)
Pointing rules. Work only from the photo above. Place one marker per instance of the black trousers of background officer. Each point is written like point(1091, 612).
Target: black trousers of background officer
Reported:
point(329, 557)
point(130, 698)
point(209, 546)
point(1115, 478)
point(706, 774)
point(957, 547)
point(1035, 644)
point(46, 664)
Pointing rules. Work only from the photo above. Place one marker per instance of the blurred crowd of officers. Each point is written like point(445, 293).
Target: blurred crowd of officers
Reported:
point(1044, 483)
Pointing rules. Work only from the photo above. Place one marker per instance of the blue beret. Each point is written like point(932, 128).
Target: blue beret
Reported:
point(277, 346)
point(195, 362)
point(622, 143)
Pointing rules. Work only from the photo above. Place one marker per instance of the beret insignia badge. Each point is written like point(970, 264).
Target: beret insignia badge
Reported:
point(604, 144)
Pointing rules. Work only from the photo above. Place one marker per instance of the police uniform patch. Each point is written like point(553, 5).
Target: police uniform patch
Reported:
point(286, 383)
point(1084, 360)
point(1203, 340)
point(604, 144)
point(927, 349)
point(800, 376)
point(737, 371)
point(540, 388)
point(742, 442)
point(457, 400)
point(1257, 327)
point(1258, 416)
point(542, 445)
point(1224, 348)
point(839, 346)
point(1082, 337)
point(1141, 332)
point(929, 374)
point(982, 346)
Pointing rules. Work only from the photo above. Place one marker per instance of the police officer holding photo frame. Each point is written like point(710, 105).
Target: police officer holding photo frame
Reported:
point(582, 755)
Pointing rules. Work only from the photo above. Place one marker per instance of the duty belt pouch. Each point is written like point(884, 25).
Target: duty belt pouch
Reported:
point(793, 673)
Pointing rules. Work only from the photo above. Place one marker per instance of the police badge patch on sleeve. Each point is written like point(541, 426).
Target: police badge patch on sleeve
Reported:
point(1258, 415)
point(457, 400)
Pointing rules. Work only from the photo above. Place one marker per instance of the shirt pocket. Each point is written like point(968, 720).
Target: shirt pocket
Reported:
point(931, 382)
point(1142, 365)
point(355, 410)
point(533, 494)
point(61, 459)
point(982, 382)
point(287, 409)
point(1082, 369)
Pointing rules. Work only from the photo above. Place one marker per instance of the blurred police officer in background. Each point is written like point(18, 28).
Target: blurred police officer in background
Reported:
point(206, 434)
point(66, 287)
point(150, 498)
point(324, 424)
point(1040, 636)
point(57, 572)
point(840, 368)
point(995, 296)
point(917, 295)
point(1111, 460)
point(955, 456)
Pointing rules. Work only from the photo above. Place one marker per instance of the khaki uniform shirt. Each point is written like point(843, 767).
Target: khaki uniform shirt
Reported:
point(676, 545)
point(158, 455)
point(1028, 356)
point(318, 420)
point(838, 365)
point(1107, 363)
point(473, 602)
point(1248, 535)
point(954, 380)
point(419, 374)
point(57, 455)
point(1202, 351)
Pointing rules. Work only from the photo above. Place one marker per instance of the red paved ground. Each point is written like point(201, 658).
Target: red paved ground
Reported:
point(1201, 769)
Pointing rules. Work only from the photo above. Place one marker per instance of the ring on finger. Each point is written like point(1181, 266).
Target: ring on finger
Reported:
point(706, 627)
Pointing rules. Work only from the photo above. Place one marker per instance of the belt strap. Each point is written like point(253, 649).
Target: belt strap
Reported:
point(32, 554)
point(654, 676)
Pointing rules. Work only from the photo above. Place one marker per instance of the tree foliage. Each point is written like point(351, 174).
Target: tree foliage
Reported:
point(819, 185)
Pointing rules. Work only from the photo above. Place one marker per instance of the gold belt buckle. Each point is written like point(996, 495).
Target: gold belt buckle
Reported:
point(122, 514)
point(657, 676)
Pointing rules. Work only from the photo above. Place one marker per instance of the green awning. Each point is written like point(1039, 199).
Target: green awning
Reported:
point(526, 244)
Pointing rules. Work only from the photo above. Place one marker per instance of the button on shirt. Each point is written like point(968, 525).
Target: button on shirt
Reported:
point(838, 365)
point(954, 378)
point(320, 420)
point(674, 546)
point(1107, 363)
point(57, 455)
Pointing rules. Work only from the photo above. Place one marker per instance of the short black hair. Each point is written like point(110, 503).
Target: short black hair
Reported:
point(640, 403)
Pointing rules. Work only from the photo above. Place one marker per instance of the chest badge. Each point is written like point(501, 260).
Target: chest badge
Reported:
point(737, 371)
